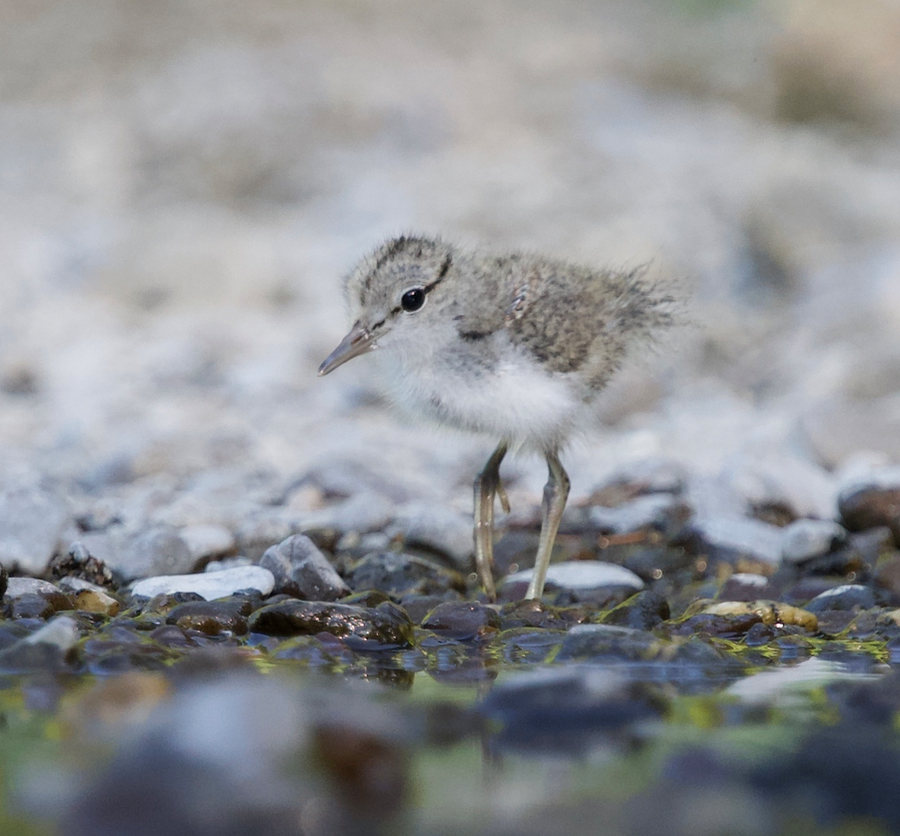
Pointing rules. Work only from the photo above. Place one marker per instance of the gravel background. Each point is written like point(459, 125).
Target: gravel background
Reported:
point(182, 187)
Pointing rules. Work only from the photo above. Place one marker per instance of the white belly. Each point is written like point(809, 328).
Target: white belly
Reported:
point(516, 401)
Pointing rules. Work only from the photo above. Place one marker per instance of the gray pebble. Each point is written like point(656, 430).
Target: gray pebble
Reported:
point(17, 587)
point(32, 521)
point(805, 539)
point(844, 597)
point(301, 570)
point(209, 585)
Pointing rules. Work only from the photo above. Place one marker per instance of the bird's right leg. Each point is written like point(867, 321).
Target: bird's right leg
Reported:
point(488, 486)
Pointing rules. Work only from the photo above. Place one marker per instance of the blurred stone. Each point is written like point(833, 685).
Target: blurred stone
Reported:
point(656, 511)
point(644, 611)
point(209, 585)
point(838, 430)
point(435, 528)
point(78, 562)
point(742, 615)
point(94, 601)
point(362, 513)
point(32, 521)
point(564, 711)
point(731, 539)
point(398, 573)
point(206, 541)
point(211, 617)
point(806, 538)
point(642, 478)
point(873, 502)
point(582, 575)
point(301, 570)
point(744, 586)
point(608, 643)
point(358, 627)
point(30, 597)
point(462, 620)
point(843, 597)
point(44, 650)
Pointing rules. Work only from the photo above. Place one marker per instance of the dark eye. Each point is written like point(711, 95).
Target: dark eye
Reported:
point(413, 299)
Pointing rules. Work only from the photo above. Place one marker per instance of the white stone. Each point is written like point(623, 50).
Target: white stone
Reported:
point(583, 574)
point(804, 539)
point(209, 585)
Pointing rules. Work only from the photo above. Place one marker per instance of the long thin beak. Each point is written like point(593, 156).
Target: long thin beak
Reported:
point(357, 342)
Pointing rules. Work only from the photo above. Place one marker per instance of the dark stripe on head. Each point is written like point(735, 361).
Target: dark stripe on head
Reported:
point(474, 336)
point(391, 249)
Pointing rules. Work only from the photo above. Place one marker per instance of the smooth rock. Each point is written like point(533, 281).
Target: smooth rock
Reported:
point(209, 585)
point(462, 620)
point(32, 520)
point(211, 617)
point(608, 643)
point(844, 597)
point(384, 626)
point(583, 574)
point(45, 650)
point(301, 570)
point(805, 539)
point(767, 612)
point(93, 601)
point(17, 587)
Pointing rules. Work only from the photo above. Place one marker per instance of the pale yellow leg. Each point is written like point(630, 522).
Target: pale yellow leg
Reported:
point(488, 486)
point(556, 492)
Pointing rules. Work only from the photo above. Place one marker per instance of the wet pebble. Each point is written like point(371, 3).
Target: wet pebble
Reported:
point(386, 625)
point(95, 601)
point(46, 649)
point(301, 570)
point(212, 617)
point(608, 643)
point(644, 611)
point(209, 585)
point(565, 710)
point(732, 539)
point(736, 618)
point(34, 598)
point(462, 621)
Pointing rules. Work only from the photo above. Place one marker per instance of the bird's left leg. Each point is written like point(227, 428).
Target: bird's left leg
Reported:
point(556, 492)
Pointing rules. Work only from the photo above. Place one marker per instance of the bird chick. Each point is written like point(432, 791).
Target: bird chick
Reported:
point(512, 346)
